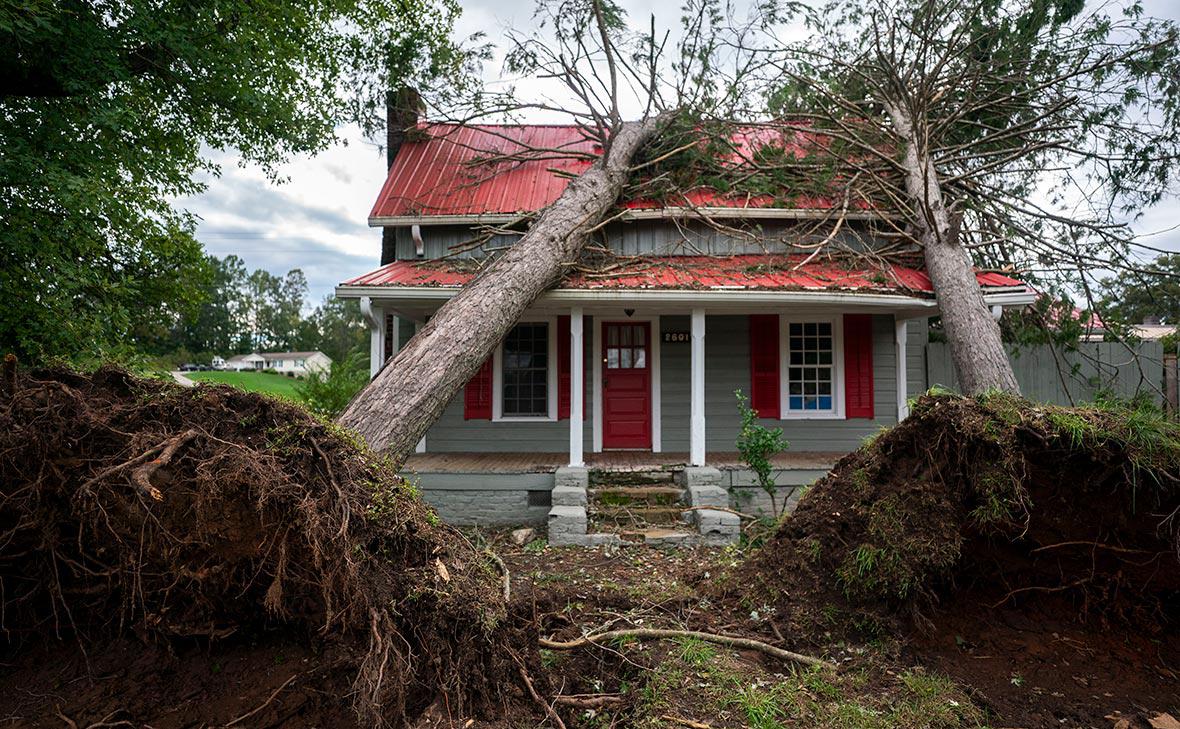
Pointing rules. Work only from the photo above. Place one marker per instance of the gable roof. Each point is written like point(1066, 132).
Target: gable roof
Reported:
point(449, 173)
point(703, 273)
point(290, 355)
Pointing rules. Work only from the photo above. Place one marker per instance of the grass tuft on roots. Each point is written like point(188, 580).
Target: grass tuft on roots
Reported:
point(1023, 499)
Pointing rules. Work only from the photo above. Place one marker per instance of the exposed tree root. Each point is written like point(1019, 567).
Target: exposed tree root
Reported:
point(536, 697)
point(264, 704)
point(725, 640)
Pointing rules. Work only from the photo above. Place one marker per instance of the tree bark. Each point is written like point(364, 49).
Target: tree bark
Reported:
point(395, 410)
point(977, 348)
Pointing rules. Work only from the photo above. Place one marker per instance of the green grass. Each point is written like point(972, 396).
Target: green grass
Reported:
point(265, 382)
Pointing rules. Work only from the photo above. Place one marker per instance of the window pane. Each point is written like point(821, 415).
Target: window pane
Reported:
point(810, 386)
point(640, 333)
point(640, 358)
point(612, 335)
point(525, 371)
point(625, 358)
point(612, 359)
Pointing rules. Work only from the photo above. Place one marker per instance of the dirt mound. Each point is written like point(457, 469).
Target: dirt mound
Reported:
point(1016, 502)
point(132, 507)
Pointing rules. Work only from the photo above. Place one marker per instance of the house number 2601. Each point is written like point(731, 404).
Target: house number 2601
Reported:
point(677, 337)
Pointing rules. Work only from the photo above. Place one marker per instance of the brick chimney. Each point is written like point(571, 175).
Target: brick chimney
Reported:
point(403, 108)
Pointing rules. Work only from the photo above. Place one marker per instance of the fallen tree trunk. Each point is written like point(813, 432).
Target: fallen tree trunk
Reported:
point(977, 348)
point(394, 411)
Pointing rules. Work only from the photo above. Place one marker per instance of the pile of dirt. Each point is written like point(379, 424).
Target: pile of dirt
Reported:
point(1030, 552)
point(136, 510)
point(1014, 501)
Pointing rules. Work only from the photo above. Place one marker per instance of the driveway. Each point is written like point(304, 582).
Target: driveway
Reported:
point(184, 381)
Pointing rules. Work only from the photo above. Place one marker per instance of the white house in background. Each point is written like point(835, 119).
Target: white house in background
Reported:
point(239, 362)
point(295, 364)
point(218, 362)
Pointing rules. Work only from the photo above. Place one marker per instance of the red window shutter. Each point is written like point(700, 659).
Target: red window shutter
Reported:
point(477, 397)
point(858, 366)
point(563, 368)
point(764, 372)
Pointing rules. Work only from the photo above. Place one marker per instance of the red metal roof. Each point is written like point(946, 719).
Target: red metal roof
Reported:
point(452, 170)
point(751, 272)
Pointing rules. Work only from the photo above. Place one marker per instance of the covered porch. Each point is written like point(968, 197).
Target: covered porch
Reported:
point(649, 360)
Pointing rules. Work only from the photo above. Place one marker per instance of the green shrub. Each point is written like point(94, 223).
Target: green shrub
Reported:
point(757, 444)
point(328, 392)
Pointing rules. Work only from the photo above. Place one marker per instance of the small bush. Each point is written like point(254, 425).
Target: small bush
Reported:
point(328, 392)
point(757, 444)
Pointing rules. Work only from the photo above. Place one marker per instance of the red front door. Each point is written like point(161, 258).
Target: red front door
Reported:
point(626, 385)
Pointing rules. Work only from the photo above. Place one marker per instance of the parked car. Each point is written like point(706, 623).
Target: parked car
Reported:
point(189, 367)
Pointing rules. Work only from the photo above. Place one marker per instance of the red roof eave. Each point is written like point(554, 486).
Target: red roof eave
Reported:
point(744, 272)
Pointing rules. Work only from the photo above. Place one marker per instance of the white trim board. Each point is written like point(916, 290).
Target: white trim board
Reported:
point(711, 299)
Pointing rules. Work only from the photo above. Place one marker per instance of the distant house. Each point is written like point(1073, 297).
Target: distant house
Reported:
point(239, 362)
point(294, 364)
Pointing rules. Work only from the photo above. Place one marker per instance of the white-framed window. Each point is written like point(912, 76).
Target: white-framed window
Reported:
point(811, 368)
point(525, 372)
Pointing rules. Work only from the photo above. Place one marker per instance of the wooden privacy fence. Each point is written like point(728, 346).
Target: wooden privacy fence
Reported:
point(1061, 377)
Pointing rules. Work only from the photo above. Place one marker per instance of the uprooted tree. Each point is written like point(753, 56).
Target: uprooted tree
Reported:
point(1020, 135)
point(601, 64)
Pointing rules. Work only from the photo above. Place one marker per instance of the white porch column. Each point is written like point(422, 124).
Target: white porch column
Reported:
point(899, 336)
point(577, 362)
point(375, 318)
point(697, 409)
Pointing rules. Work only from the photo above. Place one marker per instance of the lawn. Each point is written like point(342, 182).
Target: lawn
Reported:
point(266, 382)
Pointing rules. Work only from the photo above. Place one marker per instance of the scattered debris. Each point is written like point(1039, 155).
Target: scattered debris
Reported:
point(521, 537)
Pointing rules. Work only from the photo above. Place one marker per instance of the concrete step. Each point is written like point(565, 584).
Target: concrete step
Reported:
point(658, 536)
point(637, 495)
point(632, 478)
point(639, 516)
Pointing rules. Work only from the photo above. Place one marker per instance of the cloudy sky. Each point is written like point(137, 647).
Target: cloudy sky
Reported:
point(316, 219)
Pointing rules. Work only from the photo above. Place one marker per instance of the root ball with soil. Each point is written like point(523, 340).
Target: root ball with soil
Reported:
point(132, 506)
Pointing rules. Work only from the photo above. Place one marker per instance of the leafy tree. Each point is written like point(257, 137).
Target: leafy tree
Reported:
point(335, 328)
point(1020, 133)
point(106, 106)
point(328, 392)
point(216, 325)
point(1134, 295)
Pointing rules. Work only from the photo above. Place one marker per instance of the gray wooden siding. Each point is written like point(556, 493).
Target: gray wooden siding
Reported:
point(452, 434)
point(1082, 375)
point(726, 369)
point(657, 237)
